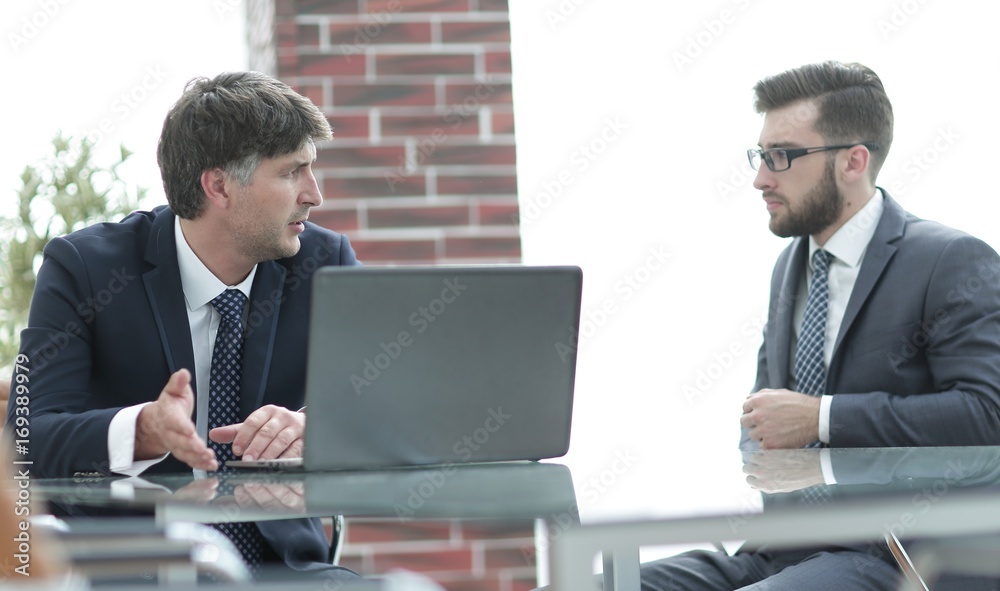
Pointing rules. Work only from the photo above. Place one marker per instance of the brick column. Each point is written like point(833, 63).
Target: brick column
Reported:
point(421, 168)
point(420, 171)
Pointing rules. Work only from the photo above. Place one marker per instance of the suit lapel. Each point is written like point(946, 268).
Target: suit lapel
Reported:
point(780, 354)
point(262, 322)
point(166, 298)
point(880, 251)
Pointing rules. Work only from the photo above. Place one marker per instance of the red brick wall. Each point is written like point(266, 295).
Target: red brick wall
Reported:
point(460, 555)
point(421, 169)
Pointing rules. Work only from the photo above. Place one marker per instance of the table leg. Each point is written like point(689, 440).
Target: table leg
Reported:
point(621, 570)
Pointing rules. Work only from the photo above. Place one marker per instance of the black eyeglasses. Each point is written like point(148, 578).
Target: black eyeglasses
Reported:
point(780, 159)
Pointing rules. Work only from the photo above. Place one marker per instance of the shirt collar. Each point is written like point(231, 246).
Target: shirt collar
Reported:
point(848, 244)
point(200, 285)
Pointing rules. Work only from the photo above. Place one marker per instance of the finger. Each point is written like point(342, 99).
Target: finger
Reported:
point(247, 430)
point(192, 451)
point(173, 412)
point(179, 384)
point(272, 430)
point(224, 434)
point(198, 460)
point(283, 445)
point(271, 441)
point(201, 460)
point(295, 450)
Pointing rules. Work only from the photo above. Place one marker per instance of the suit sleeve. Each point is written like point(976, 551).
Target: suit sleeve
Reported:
point(347, 256)
point(761, 382)
point(66, 433)
point(958, 339)
point(747, 444)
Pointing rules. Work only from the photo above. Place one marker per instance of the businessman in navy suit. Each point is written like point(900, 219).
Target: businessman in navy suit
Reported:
point(121, 331)
point(908, 350)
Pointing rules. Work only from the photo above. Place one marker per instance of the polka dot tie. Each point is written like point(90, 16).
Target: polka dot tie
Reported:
point(224, 408)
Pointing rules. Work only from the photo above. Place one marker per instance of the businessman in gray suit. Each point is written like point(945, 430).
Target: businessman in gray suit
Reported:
point(883, 329)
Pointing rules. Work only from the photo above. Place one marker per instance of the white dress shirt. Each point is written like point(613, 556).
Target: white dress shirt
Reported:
point(200, 287)
point(848, 246)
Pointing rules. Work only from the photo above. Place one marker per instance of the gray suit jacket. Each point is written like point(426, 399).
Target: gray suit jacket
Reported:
point(917, 358)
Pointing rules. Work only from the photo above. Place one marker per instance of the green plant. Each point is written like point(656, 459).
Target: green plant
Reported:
point(64, 192)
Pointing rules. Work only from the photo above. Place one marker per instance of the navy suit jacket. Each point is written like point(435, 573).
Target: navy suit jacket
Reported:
point(917, 358)
point(108, 326)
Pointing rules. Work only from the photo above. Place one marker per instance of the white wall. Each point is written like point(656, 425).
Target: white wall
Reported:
point(678, 77)
point(109, 70)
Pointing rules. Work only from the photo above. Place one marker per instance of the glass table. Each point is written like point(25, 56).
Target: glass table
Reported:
point(836, 496)
point(934, 493)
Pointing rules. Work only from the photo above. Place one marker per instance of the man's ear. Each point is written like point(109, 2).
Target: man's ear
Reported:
point(856, 166)
point(214, 183)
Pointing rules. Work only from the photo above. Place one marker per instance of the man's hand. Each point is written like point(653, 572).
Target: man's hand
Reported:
point(781, 418)
point(779, 471)
point(269, 432)
point(165, 426)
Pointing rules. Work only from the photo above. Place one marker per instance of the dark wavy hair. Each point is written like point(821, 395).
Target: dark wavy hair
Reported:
point(232, 122)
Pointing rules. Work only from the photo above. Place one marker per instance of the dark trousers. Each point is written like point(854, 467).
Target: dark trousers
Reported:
point(815, 569)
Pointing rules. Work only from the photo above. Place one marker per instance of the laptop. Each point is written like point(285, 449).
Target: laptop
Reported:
point(416, 366)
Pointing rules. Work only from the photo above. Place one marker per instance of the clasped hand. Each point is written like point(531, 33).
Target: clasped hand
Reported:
point(165, 426)
point(781, 418)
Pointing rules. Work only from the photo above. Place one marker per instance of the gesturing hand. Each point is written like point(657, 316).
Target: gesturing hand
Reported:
point(165, 426)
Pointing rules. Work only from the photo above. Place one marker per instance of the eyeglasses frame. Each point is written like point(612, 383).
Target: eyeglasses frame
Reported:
point(793, 153)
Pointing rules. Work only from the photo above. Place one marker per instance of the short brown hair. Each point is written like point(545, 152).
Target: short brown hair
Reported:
point(853, 105)
point(232, 122)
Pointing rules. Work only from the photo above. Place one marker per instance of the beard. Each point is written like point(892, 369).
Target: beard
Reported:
point(268, 247)
point(820, 208)
point(263, 240)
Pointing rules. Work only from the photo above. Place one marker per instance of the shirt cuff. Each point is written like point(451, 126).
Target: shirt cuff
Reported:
point(824, 418)
point(121, 443)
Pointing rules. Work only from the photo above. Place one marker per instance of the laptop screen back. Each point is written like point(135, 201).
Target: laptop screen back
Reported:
point(438, 365)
